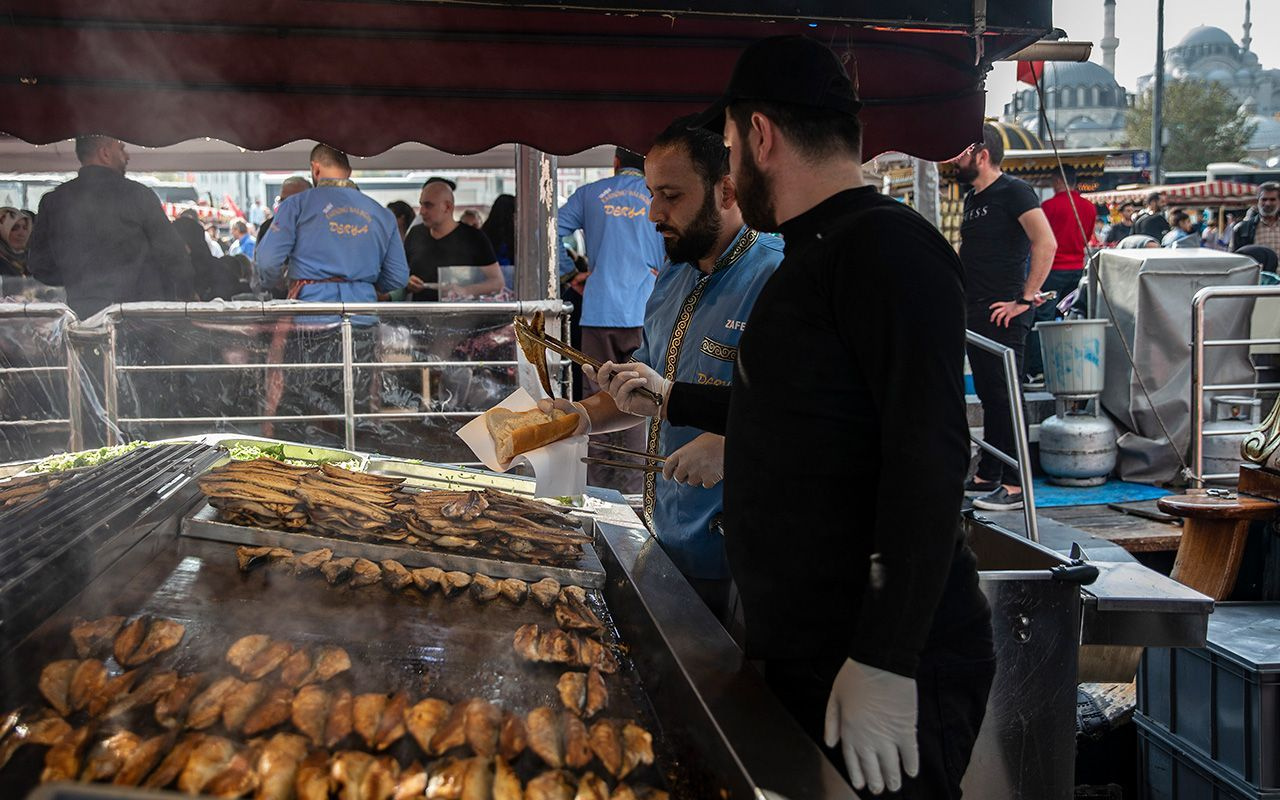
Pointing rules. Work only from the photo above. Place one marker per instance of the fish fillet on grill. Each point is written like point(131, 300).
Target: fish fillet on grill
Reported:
point(391, 726)
point(597, 694)
point(624, 792)
point(455, 582)
point(310, 562)
point(162, 636)
point(365, 573)
point(93, 638)
point(295, 669)
point(240, 703)
point(128, 639)
point(341, 721)
point(55, 684)
point(247, 558)
point(574, 615)
point(88, 680)
point(413, 783)
point(105, 697)
point(330, 661)
point(506, 783)
point(484, 588)
point(452, 731)
point(577, 747)
point(277, 766)
point(242, 650)
point(366, 714)
point(606, 743)
point(143, 759)
point(238, 776)
point(46, 728)
point(513, 590)
point(309, 711)
point(555, 784)
point(120, 696)
point(106, 757)
point(461, 779)
point(428, 579)
point(545, 592)
point(337, 570)
point(174, 704)
point(482, 725)
point(423, 719)
point(312, 781)
point(395, 576)
point(62, 761)
point(512, 737)
point(592, 787)
point(637, 747)
point(272, 711)
point(267, 660)
point(572, 687)
point(206, 707)
point(347, 771)
point(546, 737)
point(174, 762)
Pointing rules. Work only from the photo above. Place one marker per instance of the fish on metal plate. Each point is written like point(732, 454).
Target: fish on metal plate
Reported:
point(512, 738)
point(107, 756)
point(366, 714)
point(174, 762)
point(309, 711)
point(577, 748)
point(555, 784)
point(62, 761)
point(312, 782)
point(128, 639)
point(423, 719)
point(171, 706)
point(341, 721)
point(546, 738)
point(240, 703)
point(143, 759)
point(207, 760)
point(162, 636)
point(55, 684)
point(93, 638)
point(545, 592)
point(272, 711)
point(88, 680)
point(277, 766)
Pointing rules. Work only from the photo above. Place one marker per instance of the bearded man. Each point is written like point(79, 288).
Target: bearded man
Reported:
point(692, 323)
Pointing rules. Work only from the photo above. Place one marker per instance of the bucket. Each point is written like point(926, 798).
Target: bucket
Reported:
point(1073, 352)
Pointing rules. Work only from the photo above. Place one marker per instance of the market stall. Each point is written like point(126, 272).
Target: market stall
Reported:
point(1183, 195)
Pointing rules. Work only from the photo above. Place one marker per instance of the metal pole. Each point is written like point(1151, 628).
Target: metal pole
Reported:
point(1197, 388)
point(75, 439)
point(348, 384)
point(1157, 102)
point(109, 387)
point(925, 188)
point(1020, 439)
point(537, 245)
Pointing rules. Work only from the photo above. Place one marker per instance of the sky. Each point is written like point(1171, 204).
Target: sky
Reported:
point(1136, 29)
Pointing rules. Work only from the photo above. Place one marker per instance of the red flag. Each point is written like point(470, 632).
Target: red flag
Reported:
point(1030, 71)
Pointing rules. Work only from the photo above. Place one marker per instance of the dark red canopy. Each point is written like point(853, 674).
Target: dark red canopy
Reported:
point(364, 76)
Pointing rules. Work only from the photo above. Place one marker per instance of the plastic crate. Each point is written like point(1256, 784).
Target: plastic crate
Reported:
point(1167, 770)
point(1223, 699)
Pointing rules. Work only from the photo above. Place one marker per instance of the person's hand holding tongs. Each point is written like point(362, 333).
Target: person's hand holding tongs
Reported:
point(636, 388)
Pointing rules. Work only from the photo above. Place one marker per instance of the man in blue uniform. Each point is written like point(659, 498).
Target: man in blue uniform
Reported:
point(342, 246)
point(694, 317)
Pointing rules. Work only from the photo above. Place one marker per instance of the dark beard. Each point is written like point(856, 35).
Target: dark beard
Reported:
point(698, 239)
point(967, 173)
point(755, 195)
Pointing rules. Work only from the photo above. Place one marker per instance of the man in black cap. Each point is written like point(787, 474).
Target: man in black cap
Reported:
point(868, 614)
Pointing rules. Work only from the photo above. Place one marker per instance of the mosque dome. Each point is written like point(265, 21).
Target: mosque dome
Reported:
point(1016, 137)
point(1207, 35)
point(1077, 73)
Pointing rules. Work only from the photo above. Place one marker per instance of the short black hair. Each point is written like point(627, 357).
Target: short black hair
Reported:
point(1068, 174)
point(993, 143)
point(1178, 216)
point(330, 157)
point(1269, 186)
point(453, 186)
point(88, 144)
point(705, 149)
point(628, 159)
point(815, 132)
point(401, 209)
point(1153, 197)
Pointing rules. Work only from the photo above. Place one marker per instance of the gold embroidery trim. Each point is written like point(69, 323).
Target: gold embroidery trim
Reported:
point(674, 345)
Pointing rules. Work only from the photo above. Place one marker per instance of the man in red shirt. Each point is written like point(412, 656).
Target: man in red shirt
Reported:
point(1072, 219)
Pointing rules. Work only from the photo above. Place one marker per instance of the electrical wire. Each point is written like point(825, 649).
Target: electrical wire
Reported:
point(1096, 276)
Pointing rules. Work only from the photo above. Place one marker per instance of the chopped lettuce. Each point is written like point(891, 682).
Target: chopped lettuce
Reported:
point(245, 451)
point(86, 458)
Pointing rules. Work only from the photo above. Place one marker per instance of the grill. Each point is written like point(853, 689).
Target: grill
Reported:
point(48, 546)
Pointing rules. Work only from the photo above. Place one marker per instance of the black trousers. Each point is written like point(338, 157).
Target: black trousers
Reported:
point(952, 687)
point(993, 392)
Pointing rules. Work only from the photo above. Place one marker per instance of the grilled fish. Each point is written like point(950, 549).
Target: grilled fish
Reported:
point(577, 748)
point(170, 707)
point(251, 557)
point(592, 787)
point(546, 738)
point(427, 579)
point(312, 781)
point(62, 762)
point(452, 732)
point(340, 722)
point(455, 582)
point(329, 662)
point(482, 724)
point(576, 592)
point(366, 714)
point(606, 743)
point(206, 707)
point(277, 766)
point(239, 775)
point(347, 772)
point(128, 639)
point(413, 783)
point(513, 738)
point(574, 615)
point(506, 784)
point(365, 573)
point(597, 698)
point(240, 703)
point(513, 590)
point(637, 747)
point(308, 563)
point(555, 784)
point(207, 760)
point(154, 687)
point(296, 668)
point(94, 637)
point(337, 570)
point(572, 687)
point(423, 719)
point(107, 756)
point(55, 684)
point(87, 681)
point(174, 762)
point(162, 636)
point(394, 574)
point(272, 711)
point(309, 710)
point(463, 779)
point(380, 781)
point(545, 591)
point(391, 727)
point(484, 588)
point(624, 792)
point(526, 642)
point(266, 660)
point(45, 729)
point(242, 650)
point(143, 759)
point(592, 654)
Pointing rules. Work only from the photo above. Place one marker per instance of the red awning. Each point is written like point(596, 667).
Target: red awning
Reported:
point(364, 76)
point(1182, 194)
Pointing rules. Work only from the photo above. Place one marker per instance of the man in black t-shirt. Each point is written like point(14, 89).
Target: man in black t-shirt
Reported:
point(1117, 231)
point(1151, 221)
point(1003, 226)
point(440, 241)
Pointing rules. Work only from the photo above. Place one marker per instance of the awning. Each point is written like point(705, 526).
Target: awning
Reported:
point(1183, 194)
point(365, 76)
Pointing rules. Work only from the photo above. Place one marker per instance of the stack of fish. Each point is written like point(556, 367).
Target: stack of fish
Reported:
point(344, 503)
point(495, 523)
point(25, 488)
point(258, 493)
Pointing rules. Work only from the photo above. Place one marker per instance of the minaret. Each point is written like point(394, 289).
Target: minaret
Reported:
point(1109, 41)
point(1248, 26)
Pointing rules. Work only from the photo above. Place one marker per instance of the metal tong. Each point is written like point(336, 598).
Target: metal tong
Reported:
point(651, 462)
point(534, 341)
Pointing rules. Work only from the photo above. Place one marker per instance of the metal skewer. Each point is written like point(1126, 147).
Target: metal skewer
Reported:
point(622, 464)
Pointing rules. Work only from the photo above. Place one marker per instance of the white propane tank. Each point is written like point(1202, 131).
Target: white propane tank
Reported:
point(1077, 445)
point(1231, 418)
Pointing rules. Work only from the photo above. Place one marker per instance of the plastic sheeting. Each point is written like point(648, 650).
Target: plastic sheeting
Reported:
point(156, 370)
point(33, 387)
point(1149, 294)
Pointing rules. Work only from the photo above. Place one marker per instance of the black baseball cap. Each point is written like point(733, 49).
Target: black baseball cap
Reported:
point(786, 69)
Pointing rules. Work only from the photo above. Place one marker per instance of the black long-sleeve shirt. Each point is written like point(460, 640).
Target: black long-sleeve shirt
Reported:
point(107, 240)
point(846, 442)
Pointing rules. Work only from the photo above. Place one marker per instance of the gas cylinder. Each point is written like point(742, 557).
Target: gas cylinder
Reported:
point(1231, 417)
point(1077, 444)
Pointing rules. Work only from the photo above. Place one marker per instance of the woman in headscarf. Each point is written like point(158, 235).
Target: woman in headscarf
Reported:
point(15, 230)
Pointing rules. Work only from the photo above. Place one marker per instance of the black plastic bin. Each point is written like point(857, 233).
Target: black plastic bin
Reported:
point(1223, 700)
point(1169, 770)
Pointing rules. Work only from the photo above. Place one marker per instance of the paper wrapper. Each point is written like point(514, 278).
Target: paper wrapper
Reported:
point(558, 466)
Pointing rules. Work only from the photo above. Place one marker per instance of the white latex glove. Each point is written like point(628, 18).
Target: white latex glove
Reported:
point(873, 712)
point(621, 382)
point(698, 463)
point(546, 404)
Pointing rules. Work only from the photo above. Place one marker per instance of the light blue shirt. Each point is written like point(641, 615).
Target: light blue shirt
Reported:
point(682, 515)
point(334, 231)
point(623, 248)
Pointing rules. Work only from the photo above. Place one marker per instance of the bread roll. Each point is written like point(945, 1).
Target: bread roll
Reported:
point(516, 432)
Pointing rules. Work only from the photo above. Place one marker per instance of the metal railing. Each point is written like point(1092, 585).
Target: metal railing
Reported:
point(1199, 388)
point(68, 370)
point(1021, 461)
